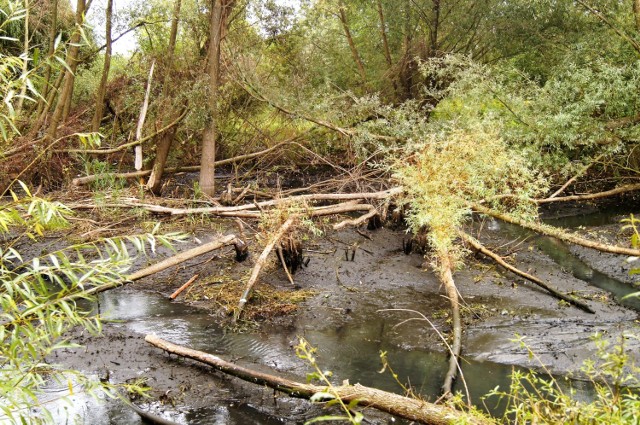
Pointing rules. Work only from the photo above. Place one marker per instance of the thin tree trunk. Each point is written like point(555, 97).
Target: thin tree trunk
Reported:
point(636, 13)
point(61, 111)
point(405, 407)
point(25, 62)
point(435, 24)
point(478, 246)
point(53, 32)
point(102, 89)
point(383, 34)
point(352, 44)
point(246, 294)
point(166, 139)
point(220, 10)
point(141, 119)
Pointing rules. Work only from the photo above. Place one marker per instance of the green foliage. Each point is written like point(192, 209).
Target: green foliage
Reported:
point(329, 396)
point(38, 301)
point(535, 398)
point(444, 174)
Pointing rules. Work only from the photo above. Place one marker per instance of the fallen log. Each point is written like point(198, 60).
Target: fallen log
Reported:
point(591, 196)
point(405, 407)
point(558, 233)
point(384, 194)
point(495, 257)
point(260, 263)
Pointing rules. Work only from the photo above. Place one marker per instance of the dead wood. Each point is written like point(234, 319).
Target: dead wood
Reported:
point(126, 145)
point(405, 407)
point(558, 233)
point(150, 417)
point(260, 262)
point(155, 268)
point(498, 259)
point(384, 194)
point(357, 221)
point(446, 276)
point(590, 196)
point(575, 177)
point(187, 255)
point(183, 287)
point(129, 175)
point(141, 119)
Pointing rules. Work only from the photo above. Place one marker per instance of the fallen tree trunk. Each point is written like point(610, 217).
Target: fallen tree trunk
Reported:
point(293, 199)
point(405, 407)
point(260, 263)
point(590, 196)
point(495, 257)
point(558, 233)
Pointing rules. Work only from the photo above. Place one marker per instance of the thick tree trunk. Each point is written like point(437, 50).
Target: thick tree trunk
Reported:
point(446, 277)
point(102, 89)
point(166, 139)
point(220, 10)
point(352, 44)
point(405, 407)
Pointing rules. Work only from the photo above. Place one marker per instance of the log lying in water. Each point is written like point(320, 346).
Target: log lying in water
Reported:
point(405, 407)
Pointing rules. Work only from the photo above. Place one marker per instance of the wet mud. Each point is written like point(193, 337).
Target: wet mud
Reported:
point(369, 297)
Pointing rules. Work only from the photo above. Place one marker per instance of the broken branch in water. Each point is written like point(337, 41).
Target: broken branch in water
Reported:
point(557, 233)
point(405, 407)
point(495, 257)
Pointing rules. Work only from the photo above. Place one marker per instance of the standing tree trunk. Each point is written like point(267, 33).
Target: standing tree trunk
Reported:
point(220, 10)
point(53, 32)
point(352, 44)
point(636, 13)
point(165, 139)
point(102, 89)
point(61, 111)
point(25, 62)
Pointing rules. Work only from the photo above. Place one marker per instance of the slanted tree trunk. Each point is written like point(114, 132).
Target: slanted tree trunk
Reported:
point(352, 44)
point(165, 139)
point(102, 89)
point(61, 112)
point(220, 10)
point(446, 277)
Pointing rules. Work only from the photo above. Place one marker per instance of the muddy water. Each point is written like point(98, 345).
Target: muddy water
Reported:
point(348, 351)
